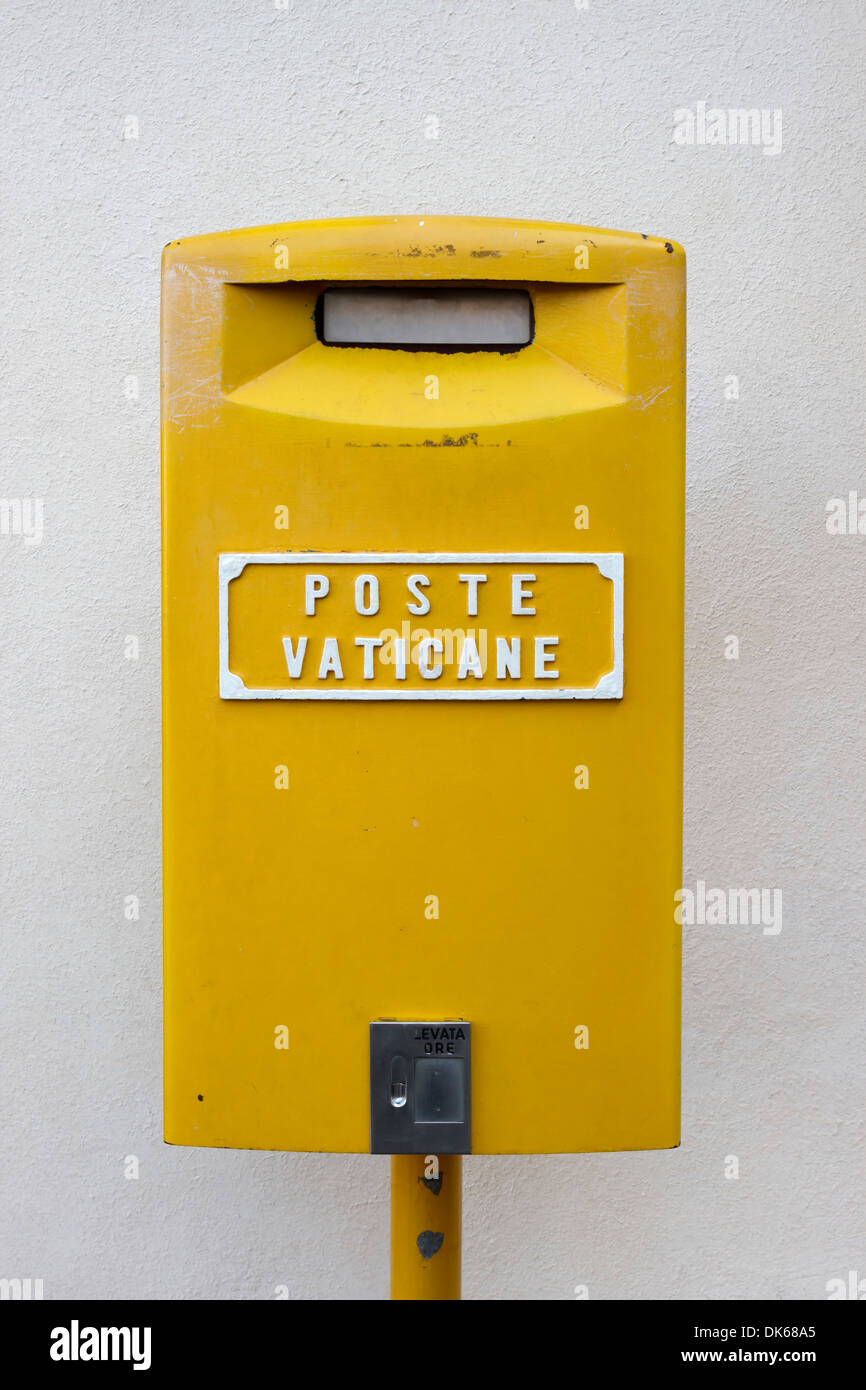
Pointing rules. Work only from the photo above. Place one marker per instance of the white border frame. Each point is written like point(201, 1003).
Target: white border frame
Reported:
point(233, 564)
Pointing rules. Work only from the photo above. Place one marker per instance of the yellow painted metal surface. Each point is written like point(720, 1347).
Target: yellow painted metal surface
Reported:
point(497, 840)
point(426, 1226)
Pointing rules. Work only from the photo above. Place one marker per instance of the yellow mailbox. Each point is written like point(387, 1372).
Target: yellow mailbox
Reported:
point(422, 604)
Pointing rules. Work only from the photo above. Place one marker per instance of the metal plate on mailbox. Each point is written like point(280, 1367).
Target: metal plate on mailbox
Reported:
point(421, 627)
point(420, 1087)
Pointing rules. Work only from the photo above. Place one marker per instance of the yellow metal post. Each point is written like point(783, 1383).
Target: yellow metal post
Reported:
point(426, 1200)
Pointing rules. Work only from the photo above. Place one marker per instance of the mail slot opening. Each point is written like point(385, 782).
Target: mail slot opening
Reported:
point(426, 318)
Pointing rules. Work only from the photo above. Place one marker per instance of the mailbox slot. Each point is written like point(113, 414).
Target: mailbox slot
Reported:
point(418, 318)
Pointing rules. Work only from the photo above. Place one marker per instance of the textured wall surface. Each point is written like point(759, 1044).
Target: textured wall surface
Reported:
point(127, 125)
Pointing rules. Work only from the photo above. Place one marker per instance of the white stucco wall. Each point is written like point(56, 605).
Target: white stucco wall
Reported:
point(249, 113)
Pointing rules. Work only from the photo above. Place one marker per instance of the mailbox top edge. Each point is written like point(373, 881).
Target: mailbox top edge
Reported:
point(420, 246)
